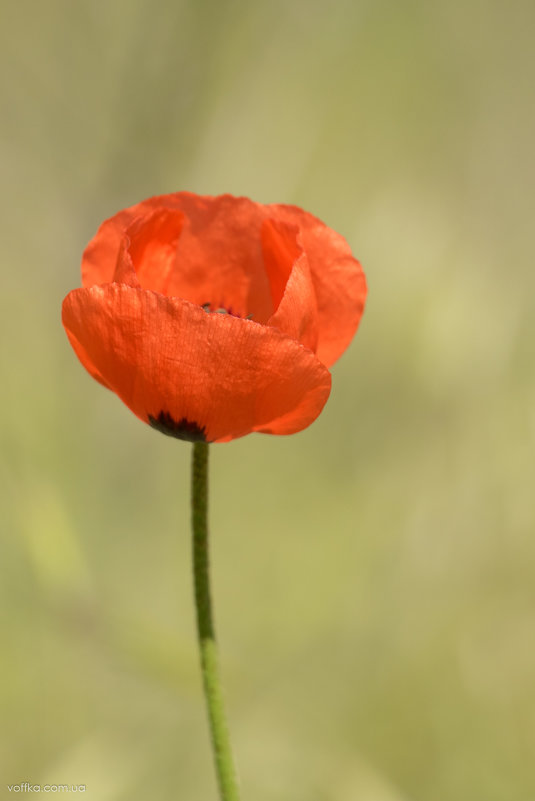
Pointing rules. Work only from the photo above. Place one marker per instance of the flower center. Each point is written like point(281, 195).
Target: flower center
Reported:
point(211, 309)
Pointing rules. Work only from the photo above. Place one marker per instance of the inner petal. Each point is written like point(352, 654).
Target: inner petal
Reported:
point(150, 246)
point(292, 290)
point(280, 251)
point(209, 254)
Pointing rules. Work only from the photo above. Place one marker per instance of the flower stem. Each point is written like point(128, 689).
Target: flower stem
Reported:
point(226, 777)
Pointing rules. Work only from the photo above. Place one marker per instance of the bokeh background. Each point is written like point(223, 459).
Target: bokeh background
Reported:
point(374, 575)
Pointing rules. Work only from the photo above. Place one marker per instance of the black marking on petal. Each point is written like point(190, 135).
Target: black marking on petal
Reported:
point(183, 429)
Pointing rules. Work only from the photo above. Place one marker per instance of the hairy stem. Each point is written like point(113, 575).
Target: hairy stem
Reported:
point(226, 776)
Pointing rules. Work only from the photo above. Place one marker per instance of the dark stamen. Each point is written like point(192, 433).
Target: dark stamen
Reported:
point(207, 307)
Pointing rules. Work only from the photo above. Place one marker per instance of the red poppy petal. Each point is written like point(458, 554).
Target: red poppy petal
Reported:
point(222, 236)
point(152, 242)
point(338, 279)
point(99, 260)
point(87, 361)
point(125, 272)
point(291, 284)
point(218, 254)
point(172, 362)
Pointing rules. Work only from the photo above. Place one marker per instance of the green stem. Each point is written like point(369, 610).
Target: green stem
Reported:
point(226, 777)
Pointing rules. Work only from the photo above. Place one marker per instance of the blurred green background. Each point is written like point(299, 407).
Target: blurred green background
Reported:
point(374, 575)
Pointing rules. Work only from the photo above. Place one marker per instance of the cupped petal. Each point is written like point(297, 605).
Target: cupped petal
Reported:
point(217, 255)
point(194, 374)
point(338, 279)
point(220, 253)
point(219, 250)
point(99, 260)
point(292, 291)
point(150, 247)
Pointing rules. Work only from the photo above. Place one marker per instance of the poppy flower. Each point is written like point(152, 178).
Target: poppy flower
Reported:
point(214, 317)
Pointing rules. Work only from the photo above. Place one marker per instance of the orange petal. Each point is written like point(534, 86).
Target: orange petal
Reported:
point(218, 253)
point(99, 260)
point(338, 279)
point(219, 256)
point(192, 373)
point(222, 235)
point(87, 361)
point(150, 246)
point(291, 284)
